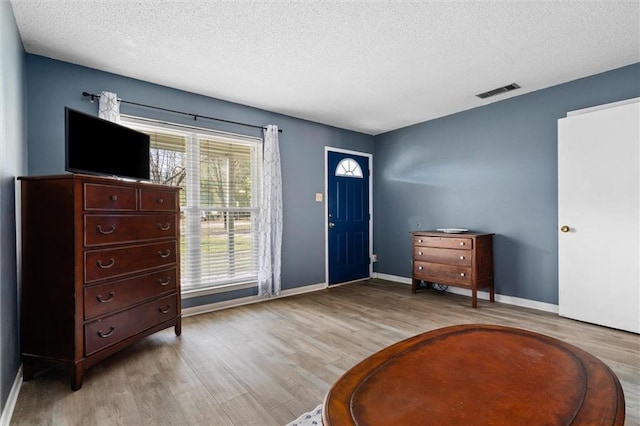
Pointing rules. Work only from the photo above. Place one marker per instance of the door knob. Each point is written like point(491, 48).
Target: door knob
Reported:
point(565, 228)
point(331, 224)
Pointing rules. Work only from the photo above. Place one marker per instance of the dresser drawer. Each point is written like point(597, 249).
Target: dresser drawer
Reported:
point(157, 200)
point(109, 197)
point(452, 243)
point(440, 255)
point(108, 229)
point(440, 273)
point(114, 328)
point(108, 263)
point(105, 298)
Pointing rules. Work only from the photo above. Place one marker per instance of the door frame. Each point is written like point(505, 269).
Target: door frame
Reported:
point(369, 156)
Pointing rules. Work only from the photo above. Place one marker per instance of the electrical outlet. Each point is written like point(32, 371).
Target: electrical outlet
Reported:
point(319, 197)
point(374, 258)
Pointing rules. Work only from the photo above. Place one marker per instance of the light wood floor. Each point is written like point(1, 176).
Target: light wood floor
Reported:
point(267, 363)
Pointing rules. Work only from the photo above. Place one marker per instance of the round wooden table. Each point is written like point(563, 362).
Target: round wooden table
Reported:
point(477, 375)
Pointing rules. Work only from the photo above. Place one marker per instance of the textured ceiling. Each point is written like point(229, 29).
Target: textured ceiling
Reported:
point(367, 66)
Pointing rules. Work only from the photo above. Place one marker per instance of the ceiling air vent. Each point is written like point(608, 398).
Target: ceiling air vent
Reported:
point(498, 91)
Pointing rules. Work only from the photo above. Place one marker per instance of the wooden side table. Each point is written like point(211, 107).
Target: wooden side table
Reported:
point(460, 260)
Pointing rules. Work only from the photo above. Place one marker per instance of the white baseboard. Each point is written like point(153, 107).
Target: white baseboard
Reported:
point(394, 278)
point(510, 300)
point(10, 405)
point(211, 307)
point(484, 295)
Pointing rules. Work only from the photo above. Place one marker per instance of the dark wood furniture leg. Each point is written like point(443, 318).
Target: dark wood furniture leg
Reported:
point(27, 369)
point(77, 374)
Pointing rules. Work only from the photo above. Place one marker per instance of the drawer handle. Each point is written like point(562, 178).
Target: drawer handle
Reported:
point(107, 334)
point(164, 311)
point(419, 253)
point(108, 231)
point(108, 299)
point(113, 197)
point(461, 257)
point(164, 255)
point(420, 267)
point(461, 243)
point(462, 274)
point(164, 228)
point(163, 283)
point(419, 241)
point(107, 266)
point(160, 200)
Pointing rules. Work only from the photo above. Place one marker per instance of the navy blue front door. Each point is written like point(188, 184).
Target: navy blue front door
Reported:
point(348, 216)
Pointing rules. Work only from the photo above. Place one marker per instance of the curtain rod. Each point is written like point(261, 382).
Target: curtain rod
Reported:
point(92, 97)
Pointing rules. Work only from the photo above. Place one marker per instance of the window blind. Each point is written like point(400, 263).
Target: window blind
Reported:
point(219, 175)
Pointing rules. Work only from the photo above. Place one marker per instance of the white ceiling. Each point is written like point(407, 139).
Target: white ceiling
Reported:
point(370, 66)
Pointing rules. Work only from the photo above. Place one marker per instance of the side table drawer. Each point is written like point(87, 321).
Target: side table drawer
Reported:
point(440, 273)
point(114, 328)
point(440, 255)
point(451, 243)
point(105, 298)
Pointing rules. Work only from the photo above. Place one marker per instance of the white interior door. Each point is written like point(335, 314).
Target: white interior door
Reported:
point(599, 201)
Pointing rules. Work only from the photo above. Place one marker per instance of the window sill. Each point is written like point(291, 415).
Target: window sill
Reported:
point(188, 294)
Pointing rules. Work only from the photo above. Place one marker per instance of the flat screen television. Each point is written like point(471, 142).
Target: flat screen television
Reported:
point(101, 147)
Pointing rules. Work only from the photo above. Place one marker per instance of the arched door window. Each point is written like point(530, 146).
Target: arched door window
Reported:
point(348, 167)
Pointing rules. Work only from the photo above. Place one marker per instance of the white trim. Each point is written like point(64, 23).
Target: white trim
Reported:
point(348, 282)
point(328, 149)
point(224, 288)
point(509, 300)
point(211, 307)
point(394, 278)
point(600, 107)
point(129, 120)
point(10, 405)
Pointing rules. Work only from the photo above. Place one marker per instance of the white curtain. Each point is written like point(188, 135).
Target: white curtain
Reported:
point(270, 224)
point(109, 107)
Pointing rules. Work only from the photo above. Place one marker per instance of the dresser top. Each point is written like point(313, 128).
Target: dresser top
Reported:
point(449, 235)
point(98, 179)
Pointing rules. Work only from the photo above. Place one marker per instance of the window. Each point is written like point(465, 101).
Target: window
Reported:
point(348, 167)
point(219, 176)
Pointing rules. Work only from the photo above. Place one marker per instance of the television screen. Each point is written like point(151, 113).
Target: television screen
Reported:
point(101, 147)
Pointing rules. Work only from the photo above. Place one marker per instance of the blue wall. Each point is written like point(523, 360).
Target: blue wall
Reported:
point(52, 85)
point(491, 169)
point(12, 163)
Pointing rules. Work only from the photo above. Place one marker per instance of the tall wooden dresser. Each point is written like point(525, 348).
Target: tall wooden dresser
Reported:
point(100, 268)
point(460, 260)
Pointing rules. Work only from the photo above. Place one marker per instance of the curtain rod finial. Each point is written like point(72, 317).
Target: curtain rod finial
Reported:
point(91, 96)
